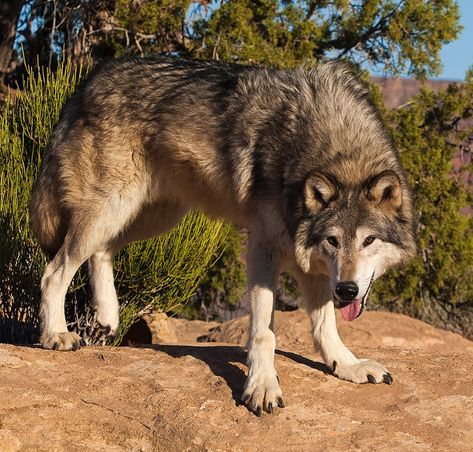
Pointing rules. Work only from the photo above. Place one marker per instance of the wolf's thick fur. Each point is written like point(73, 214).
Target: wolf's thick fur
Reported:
point(299, 157)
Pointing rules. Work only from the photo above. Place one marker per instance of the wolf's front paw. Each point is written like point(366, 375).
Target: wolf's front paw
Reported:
point(262, 392)
point(365, 371)
point(62, 341)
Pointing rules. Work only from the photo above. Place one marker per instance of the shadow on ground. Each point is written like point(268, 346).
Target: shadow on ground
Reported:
point(222, 360)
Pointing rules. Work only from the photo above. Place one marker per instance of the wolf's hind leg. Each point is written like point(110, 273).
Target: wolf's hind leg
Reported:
point(89, 231)
point(152, 220)
point(317, 298)
point(104, 296)
point(54, 284)
point(262, 389)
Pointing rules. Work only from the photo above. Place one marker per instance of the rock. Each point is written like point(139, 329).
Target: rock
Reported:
point(372, 328)
point(158, 328)
point(162, 329)
point(185, 397)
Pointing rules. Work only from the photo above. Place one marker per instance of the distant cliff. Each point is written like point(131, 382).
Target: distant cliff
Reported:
point(397, 91)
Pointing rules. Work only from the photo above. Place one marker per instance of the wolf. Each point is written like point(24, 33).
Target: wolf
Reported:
point(299, 157)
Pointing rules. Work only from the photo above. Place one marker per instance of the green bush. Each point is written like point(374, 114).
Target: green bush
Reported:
point(438, 285)
point(161, 273)
point(224, 284)
point(223, 287)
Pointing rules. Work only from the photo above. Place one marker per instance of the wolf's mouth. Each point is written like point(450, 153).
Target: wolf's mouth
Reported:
point(351, 310)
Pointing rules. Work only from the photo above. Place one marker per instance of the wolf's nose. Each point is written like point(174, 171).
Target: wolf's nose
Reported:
point(347, 291)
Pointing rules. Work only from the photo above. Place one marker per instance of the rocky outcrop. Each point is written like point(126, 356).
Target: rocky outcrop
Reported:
point(184, 396)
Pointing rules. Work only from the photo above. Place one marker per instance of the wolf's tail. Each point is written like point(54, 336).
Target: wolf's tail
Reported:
point(47, 216)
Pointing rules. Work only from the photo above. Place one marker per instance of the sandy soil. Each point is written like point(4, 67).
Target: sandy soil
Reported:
point(185, 396)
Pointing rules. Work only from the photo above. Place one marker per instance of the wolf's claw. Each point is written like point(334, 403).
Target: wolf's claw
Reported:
point(388, 379)
point(281, 403)
point(371, 379)
point(262, 392)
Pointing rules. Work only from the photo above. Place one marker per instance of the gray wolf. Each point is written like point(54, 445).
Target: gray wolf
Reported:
point(299, 157)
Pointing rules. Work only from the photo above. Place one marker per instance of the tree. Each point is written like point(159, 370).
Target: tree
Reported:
point(9, 17)
point(397, 36)
point(429, 132)
point(402, 36)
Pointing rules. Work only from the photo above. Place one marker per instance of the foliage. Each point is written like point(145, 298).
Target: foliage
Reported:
point(154, 26)
point(164, 272)
point(433, 129)
point(25, 125)
point(161, 273)
point(222, 290)
point(225, 282)
point(402, 36)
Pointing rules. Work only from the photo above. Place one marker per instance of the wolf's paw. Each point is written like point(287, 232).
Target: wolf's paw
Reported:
point(262, 392)
point(365, 371)
point(108, 324)
point(62, 341)
point(109, 330)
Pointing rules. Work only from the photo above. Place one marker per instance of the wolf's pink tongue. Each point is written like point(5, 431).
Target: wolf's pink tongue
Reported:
point(351, 310)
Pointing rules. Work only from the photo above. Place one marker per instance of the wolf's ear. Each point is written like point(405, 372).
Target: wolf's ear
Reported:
point(319, 191)
point(385, 190)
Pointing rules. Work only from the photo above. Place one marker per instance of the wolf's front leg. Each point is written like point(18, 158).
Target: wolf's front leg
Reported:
point(317, 297)
point(262, 389)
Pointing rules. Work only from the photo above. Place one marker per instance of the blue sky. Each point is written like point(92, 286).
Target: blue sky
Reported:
point(457, 56)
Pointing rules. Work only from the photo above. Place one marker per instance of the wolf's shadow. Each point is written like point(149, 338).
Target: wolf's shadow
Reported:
point(222, 361)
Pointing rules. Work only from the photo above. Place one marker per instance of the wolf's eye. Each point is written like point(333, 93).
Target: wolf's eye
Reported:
point(333, 241)
point(369, 240)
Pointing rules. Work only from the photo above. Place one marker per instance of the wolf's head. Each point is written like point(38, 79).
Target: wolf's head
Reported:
point(354, 233)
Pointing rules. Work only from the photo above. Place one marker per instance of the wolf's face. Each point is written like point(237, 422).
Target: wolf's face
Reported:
point(354, 234)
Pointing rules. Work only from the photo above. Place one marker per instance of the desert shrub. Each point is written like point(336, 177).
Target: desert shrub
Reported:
point(161, 273)
point(224, 285)
point(164, 272)
point(432, 129)
point(25, 124)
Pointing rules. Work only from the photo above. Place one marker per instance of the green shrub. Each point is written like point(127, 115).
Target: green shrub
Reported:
point(25, 125)
point(225, 283)
point(438, 285)
point(223, 288)
point(161, 273)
